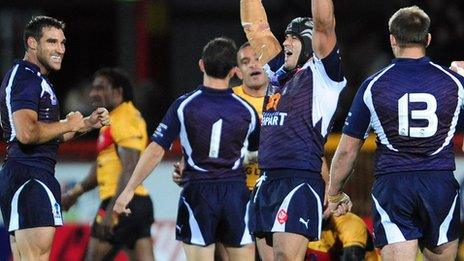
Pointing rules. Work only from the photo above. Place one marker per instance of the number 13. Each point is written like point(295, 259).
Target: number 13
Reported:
point(428, 114)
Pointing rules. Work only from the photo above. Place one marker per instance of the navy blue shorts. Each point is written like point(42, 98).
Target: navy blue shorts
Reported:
point(215, 211)
point(416, 205)
point(287, 200)
point(29, 197)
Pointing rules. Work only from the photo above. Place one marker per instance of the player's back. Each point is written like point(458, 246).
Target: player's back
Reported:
point(414, 106)
point(216, 127)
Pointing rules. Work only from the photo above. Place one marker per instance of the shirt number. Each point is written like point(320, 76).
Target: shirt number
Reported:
point(215, 139)
point(427, 114)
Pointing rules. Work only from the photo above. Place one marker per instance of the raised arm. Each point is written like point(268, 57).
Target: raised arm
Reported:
point(324, 37)
point(150, 158)
point(257, 30)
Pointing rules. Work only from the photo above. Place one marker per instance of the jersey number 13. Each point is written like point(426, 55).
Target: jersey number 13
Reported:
point(427, 114)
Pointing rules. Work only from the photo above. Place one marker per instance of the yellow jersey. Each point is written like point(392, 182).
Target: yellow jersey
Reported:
point(251, 170)
point(344, 231)
point(128, 129)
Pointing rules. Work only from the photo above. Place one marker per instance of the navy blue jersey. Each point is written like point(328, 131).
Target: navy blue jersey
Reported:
point(413, 106)
point(297, 114)
point(216, 128)
point(24, 87)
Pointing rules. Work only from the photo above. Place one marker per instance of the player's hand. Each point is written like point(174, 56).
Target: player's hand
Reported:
point(120, 206)
point(458, 66)
point(74, 121)
point(339, 204)
point(99, 118)
point(178, 172)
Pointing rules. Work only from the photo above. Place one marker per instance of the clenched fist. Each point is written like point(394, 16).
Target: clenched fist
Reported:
point(75, 121)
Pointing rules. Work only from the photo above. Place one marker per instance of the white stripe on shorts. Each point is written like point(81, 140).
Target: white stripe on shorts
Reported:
point(195, 232)
point(444, 227)
point(14, 215)
point(246, 238)
point(392, 231)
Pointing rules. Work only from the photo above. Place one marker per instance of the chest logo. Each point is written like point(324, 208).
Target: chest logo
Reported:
point(273, 102)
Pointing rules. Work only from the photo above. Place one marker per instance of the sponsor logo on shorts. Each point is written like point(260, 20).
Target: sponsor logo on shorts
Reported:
point(282, 216)
point(56, 210)
point(304, 222)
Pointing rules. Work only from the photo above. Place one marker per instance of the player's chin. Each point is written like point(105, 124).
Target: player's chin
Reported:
point(55, 66)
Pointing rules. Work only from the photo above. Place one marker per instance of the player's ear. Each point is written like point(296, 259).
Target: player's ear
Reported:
point(32, 43)
point(239, 73)
point(232, 72)
point(429, 39)
point(392, 41)
point(201, 64)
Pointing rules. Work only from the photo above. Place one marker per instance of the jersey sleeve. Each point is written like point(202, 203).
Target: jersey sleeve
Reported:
point(125, 133)
point(253, 139)
point(330, 68)
point(169, 128)
point(25, 94)
point(357, 122)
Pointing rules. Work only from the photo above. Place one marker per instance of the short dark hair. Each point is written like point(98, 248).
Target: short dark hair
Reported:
point(219, 57)
point(410, 26)
point(119, 78)
point(37, 23)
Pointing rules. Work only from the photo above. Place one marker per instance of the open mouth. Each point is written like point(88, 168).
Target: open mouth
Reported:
point(288, 53)
point(56, 58)
point(255, 74)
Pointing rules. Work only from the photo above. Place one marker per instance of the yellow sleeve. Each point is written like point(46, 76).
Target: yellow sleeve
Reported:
point(350, 229)
point(126, 133)
point(257, 30)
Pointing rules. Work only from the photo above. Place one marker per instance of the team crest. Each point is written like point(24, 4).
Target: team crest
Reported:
point(273, 102)
point(282, 216)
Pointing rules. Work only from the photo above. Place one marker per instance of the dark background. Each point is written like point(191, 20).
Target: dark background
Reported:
point(159, 41)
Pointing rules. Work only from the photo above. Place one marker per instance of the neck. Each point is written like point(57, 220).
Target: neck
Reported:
point(32, 58)
point(410, 52)
point(215, 83)
point(257, 93)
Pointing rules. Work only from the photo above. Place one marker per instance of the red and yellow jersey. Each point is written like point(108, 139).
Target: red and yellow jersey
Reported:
point(341, 232)
point(251, 170)
point(127, 129)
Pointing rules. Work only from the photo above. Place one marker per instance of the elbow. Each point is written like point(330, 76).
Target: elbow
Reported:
point(25, 137)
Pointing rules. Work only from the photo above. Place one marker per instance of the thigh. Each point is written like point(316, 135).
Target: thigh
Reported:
point(406, 250)
point(241, 253)
point(142, 251)
point(289, 246)
point(264, 250)
point(100, 250)
point(34, 243)
point(199, 253)
point(447, 251)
